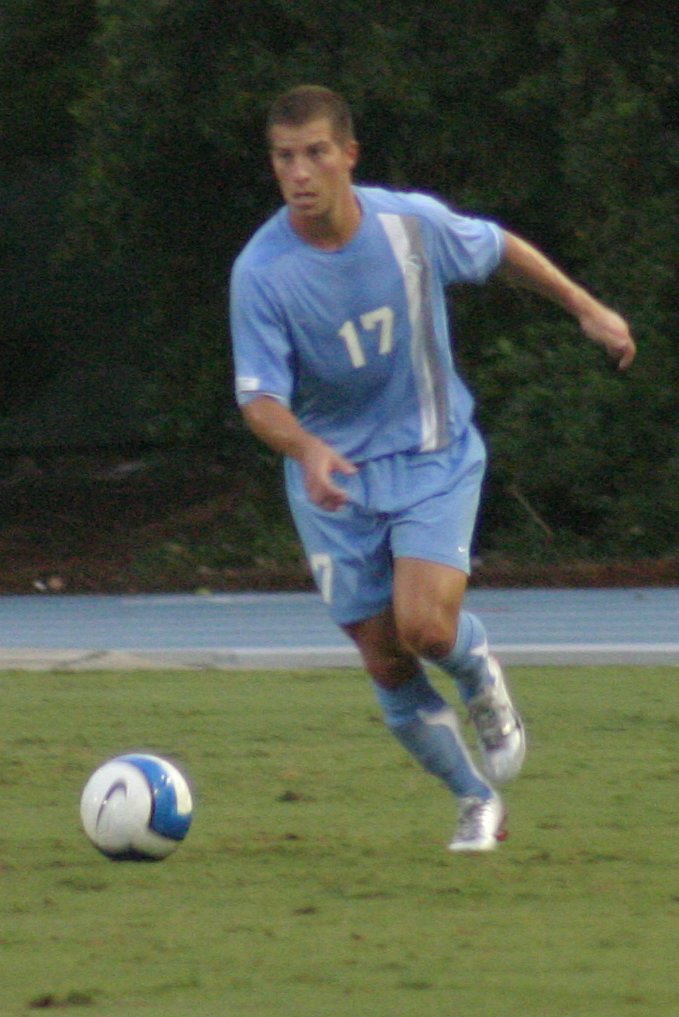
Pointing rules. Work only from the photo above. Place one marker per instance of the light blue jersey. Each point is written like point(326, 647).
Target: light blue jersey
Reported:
point(356, 342)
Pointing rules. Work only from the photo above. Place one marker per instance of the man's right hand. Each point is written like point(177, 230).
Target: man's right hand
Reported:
point(278, 427)
point(319, 463)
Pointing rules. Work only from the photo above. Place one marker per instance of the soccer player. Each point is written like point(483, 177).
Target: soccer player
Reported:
point(344, 366)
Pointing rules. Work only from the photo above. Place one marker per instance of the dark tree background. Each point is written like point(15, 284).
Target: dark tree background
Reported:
point(133, 169)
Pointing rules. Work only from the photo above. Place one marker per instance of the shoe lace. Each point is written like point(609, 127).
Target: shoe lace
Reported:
point(493, 719)
point(471, 819)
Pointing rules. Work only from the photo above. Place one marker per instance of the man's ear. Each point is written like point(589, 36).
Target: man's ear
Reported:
point(353, 151)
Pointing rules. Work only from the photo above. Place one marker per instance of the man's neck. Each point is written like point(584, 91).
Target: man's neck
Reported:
point(333, 231)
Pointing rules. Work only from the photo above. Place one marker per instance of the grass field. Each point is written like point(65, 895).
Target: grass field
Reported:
point(315, 880)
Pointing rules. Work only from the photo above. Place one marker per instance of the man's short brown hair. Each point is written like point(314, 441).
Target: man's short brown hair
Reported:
point(310, 102)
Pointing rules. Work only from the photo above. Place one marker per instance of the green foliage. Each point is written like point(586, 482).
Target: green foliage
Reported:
point(257, 533)
point(583, 460)
point(557, 118)
point(43, 64)
point(44, 58)
point(190, 395)
point(593, 455)
point(314, 880)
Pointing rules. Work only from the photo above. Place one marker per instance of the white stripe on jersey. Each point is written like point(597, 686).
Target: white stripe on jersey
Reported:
point(430, 386)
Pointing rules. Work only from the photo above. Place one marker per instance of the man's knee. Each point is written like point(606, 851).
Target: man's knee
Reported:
point(429, 637)
point(428, 599)
point(386, 659)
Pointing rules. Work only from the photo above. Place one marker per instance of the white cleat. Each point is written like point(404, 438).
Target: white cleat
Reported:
point(502, 739)
point(481, 825)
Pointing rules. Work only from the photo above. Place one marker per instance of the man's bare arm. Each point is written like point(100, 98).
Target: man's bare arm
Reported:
point(278, 427)
point(525, 266)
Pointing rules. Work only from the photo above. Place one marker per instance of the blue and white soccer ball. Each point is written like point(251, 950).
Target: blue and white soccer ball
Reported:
point(136, 807)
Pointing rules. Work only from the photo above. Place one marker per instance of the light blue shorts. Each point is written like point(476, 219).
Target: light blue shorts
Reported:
point(409, 505)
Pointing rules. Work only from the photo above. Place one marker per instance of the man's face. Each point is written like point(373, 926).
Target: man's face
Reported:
point(312, 167)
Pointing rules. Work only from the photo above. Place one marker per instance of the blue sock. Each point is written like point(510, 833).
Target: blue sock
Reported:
point(467, 661)
point(427, 727)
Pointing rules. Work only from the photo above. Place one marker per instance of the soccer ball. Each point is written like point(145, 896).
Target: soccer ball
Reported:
point(136, 808)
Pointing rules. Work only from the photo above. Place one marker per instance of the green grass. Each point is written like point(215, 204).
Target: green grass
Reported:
point(315, 880)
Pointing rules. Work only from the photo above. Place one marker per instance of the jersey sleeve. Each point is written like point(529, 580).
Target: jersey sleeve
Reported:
point(262, 351)
point(466, 249)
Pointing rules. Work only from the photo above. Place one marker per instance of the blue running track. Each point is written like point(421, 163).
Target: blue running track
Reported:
point(284, 630)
